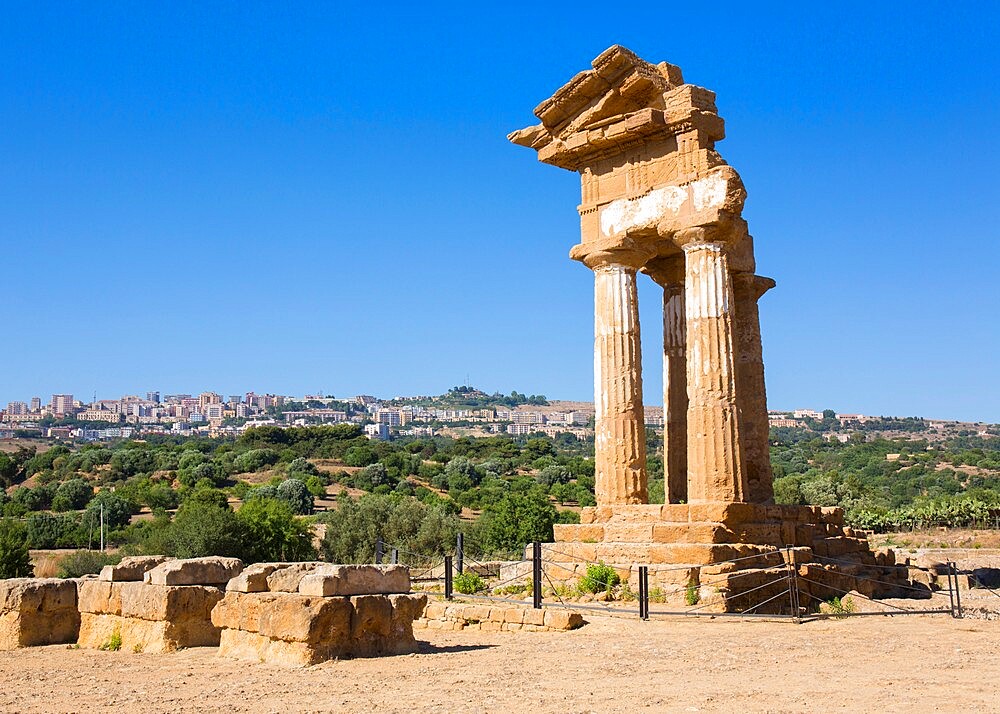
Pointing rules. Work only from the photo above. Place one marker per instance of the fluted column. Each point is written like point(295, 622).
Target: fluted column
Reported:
point(715, 469)
point(620, 432)
point(750, 391)
point(668, 273)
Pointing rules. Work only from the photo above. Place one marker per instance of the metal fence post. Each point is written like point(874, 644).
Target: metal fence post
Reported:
point(394, 556)
point(951, 591)
point(460, 553)
point(536, 575)
point(447, 577)
point(379, 550)
point(643, 592)
point(958, 595)
point(793, 583)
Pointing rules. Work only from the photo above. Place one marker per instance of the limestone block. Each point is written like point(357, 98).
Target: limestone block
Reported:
point(195, 571)
point(628, 532)
point(405, 610)
point(637, 513)
point(286, 579)
point(533, 617)
point(726, 512)
point(675, 513)
point(253, 579)
point(37, 611)
point(132, 568)
point(346, 580)
point(253, 647)
point(100, 597)
point(136, 634)
point(562, 619)
point(691, 533)
point(578, 533)
point(174, 603)
point(587, 515)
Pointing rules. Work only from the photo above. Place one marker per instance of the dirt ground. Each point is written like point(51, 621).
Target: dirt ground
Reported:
point(862, 664)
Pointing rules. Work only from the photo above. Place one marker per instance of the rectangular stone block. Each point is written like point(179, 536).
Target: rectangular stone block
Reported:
point(727, 513)
point(637, 513)
point(37, 611)
point(759, 534)
point(288, 577)
point(562, 619)
point(195, 571)
point(691, 533)
point(168, 602)
point(675, 513)
point(347, 580)
point(131, 568)
point(153, 636)
point(628, 532)
point(100, 597)
point(587, 515)
point(565, 532)
point(253, 579)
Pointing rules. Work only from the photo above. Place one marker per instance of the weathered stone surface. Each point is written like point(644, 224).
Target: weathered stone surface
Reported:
point(155, 636)
point(195, 571)
point(132, 568)
point(37, 611)
point(100, 596)
point(253, 579)
point(286, 579)
point(169, 602)
point(331, 580)
point(293, 629)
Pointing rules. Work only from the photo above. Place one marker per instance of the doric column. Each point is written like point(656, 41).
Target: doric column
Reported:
point(750, 391)
point(669, 274)
point(620, 431)
point(715, 468)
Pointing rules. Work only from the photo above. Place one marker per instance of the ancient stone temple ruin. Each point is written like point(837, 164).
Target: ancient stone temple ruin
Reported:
point(657, 198)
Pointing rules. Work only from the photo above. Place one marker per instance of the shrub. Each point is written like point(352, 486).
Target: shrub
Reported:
point(599, 578)
point(296, 494)
point(84, 562)
point(72, 495)
point(113, 644)
point(468, 582)
point(14, 559)
point(691, 593)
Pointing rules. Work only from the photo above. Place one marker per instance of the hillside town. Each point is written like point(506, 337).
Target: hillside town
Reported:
point(208, 413)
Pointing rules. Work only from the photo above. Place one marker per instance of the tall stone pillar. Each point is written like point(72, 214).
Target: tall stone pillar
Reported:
point(715, 463)
point(669, 274)
point(750, 392)
point(620, 431)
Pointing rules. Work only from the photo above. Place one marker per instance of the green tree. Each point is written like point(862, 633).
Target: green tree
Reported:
point(273, 533)
point(296, 494)
point(201, 529)
point(15, 561)
point(517, 519)
point(72, 495)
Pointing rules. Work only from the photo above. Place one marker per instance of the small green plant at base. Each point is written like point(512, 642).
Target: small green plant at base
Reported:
point(137, 648)
point(512, 589)
point(657, 595)
point(113, 644)
point(839, 606)
point(599, 578)
point(625, 594)
point(564, 590)
point(469, 583)
point(691, 594)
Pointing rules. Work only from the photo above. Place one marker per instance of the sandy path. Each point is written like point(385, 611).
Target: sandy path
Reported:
point(915, 663)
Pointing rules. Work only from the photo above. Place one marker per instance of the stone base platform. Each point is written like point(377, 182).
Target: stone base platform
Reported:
point(728, 557)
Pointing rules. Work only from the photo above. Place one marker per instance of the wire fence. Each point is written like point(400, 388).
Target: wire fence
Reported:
point(777, 584)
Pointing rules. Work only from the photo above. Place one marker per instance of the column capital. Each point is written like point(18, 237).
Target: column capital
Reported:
point(750, 285)
point(623, 251)
point(667, 272)
point(722, 234)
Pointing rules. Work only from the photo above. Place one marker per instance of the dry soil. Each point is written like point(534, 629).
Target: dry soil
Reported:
point(863, 664)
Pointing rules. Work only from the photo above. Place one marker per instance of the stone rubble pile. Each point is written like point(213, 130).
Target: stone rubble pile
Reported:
point(154, 604)
point(305, 613)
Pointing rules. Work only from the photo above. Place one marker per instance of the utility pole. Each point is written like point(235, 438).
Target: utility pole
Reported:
point(102, 527)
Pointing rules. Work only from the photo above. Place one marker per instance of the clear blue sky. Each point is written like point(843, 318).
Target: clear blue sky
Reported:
point(241, 196)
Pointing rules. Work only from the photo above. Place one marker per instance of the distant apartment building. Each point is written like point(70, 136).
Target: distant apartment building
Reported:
point(235, 399)
point(807, 413)
point(859, 418)
point(377, 431)
point(334, 416)
point(62, 404)
point(389, 417)
point(527, 418)
point(365, 400)
point(153, 397)
point(95, 414)
point(17, 408)
point(781, 421)
point(215, 410)
point(522, 429)
point(207, 398)
point(36, 404)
